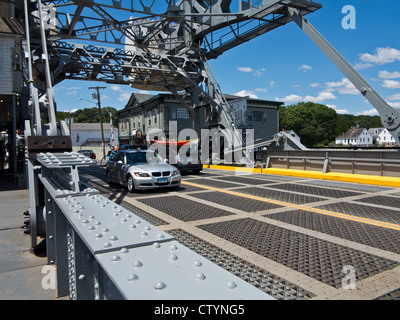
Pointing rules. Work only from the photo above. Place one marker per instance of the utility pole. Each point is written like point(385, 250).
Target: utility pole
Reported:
point(101, 119)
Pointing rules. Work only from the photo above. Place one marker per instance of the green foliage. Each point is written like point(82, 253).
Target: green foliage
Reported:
point(318, 125)
point(314, 123)
point(90, 115)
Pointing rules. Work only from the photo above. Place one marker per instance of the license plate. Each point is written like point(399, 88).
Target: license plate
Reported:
point(162, 180)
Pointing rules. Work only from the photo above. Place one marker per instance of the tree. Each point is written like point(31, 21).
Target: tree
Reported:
point(314, 123)
point(90, 115)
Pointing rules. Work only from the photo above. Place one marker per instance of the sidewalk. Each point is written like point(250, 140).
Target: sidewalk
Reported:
point(20, 268)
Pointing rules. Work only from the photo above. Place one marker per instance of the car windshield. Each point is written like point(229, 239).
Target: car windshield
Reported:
point(143, 157)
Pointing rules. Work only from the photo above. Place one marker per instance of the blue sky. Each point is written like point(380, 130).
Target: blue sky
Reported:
point(285, 65)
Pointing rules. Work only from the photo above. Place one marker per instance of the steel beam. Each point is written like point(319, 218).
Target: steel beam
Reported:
point(390, 116)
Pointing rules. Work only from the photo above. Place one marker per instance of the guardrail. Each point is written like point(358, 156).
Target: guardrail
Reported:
point(368, 162)
point(103, 251)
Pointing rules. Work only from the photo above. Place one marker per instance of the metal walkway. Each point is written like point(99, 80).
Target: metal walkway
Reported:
point(294, 238)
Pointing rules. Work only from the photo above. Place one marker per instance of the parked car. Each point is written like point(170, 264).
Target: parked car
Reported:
point(88, 153)
point(141, 170)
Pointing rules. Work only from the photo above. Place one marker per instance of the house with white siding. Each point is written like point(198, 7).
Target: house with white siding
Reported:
point(359, 137)
point(386, 139)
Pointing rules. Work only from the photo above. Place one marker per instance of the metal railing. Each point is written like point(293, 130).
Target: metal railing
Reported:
point(369, 162)
point(104, 251)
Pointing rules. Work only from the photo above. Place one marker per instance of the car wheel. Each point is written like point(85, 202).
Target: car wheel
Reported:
point(108, 177)
point(130, 184)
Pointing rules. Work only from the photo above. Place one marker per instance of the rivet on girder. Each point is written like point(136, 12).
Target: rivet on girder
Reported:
point(137, 264)
point(133, 277)
point(107, 245)
point(197, 263)
point(173, 257)
point(160, 285)
point(116, 258)
point(231, 285)
point(124, 250)
point(156, 245)
point(173, 247)
point(200, 276)
point(114, 238)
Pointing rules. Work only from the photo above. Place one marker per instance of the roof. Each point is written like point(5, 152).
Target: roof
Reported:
point(90, 126)
point(372, 131)
point(352, 133)
point(140, 98)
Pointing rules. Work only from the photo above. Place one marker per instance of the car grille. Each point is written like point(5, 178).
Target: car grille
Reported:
point(159, 174)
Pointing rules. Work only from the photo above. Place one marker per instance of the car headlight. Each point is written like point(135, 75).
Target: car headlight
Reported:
point(175, 173)
point(141, 174)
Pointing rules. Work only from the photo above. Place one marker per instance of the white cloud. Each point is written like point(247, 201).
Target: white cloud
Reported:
point(362, 66)
point(116, 88)
point(71, 111)
point(340, 111)
point(321, 97)
point(315, 85)
point(389, 75)
point(381, 56)
point(256, 73)
point(261, 90)
point(124, 96)
point(305, 68)
point(245, 93)
point(395, 104)
point(391, 84)
point(394, 97)
point(291, 98)
point(245, 69)
point(70, 93)
point(371, 112)
point(343, 87)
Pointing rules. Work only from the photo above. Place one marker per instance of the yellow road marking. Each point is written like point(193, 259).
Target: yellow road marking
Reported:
point(301, 207)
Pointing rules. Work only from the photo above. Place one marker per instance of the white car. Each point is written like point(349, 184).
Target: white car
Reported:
point(141, 170)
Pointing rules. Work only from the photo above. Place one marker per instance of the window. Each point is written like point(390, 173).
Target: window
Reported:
point(182, 113)
point(257, 116)
point(149, 118)
point(179, 113)
point(155, 116)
